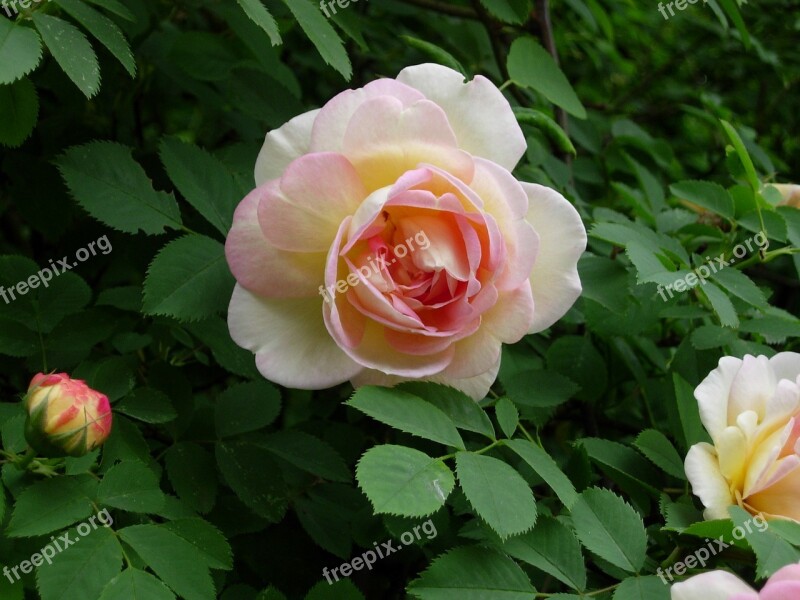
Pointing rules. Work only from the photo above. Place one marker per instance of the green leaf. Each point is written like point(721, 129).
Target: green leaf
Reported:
point(102, 28)
point(576, 357)
point(322, 35)
point(721, 304)
point(252, 473)
point(114, 189)
point(622, 463)
point(530, 65)
point(439, 55)
point(19, 104)
point(507, 416)
point(148, 405)
point(706, 337)
point(772, 551)
point(339, 590)
point(548, 126)
point(609, 527)
point(246, 407)
point(133, 584)
point(115, 7)
point(515, 12)
point(83, 569)
point(688, 412)
point(189, 279)
point(741, 286)
point(206, 539)
point(706, 194)
point(308, 453)
point(403, 481)
point(472, 573)
point(51, 504)
point(552, 548)
point(192, 472)
point(72, 51)
point(406, 412)
point(498, 494)
point(642, 588)
point(259, 14)
point(744, 156)
point(655, 446)
point(546, 468)
point(203, 180)
point(177, 562)
point(462, 410)
point(540, 389)
point(131, 486)
point(732, 9)
point(20, 50)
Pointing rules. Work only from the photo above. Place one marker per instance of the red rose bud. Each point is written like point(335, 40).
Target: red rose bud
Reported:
point(65, 416)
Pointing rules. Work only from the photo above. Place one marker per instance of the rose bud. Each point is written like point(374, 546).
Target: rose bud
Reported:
point(790, 193)
point(65, 416)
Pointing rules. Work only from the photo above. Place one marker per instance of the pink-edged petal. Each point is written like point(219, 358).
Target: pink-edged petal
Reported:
point(475, 387)
point(562, 239)
point(317, 192)
point(712, 395)
point(479, 114)
point(782, 590)
point(375, 353)
point(288, 336)
point(714, 585)
point(787, 573)
point(261, 267)
point(384, 140)
point(334, 118)
point(708, 484)
point(284, 145)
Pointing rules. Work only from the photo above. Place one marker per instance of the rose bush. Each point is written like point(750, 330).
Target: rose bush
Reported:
point(65, 416)
point(751, 409)
point(721, 585)
point(341, 188)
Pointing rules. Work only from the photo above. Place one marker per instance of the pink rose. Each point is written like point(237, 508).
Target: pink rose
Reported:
point(387, 239)
point(721, 585)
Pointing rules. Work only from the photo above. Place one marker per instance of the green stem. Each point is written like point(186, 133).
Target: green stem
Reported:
point(26, 459)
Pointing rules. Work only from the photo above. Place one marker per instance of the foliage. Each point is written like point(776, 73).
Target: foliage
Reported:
point(141, 121)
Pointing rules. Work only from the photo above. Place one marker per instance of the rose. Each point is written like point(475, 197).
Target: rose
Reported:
point(721, 585)
point(398, 199)
point(751, 409)
point(65, 416)
point(790, 194)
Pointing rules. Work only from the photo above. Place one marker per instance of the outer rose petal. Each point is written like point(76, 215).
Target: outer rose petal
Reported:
point(708, 484)
point(478, 112)
point(290, 341)
point(554, 279)
point(283, 145)
point(261, 267)
point(714, 585)
point(712, 395)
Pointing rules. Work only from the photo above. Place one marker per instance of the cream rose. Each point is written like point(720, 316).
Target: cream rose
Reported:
point(388, 240)
point(751, 409)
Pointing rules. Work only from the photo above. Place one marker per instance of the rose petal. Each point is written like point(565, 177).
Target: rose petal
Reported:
point(708, 484)
point(292, 346)
point(712, 395)
point(284, 145)
point(478, 112)
point(562, 239)
point(714, 585)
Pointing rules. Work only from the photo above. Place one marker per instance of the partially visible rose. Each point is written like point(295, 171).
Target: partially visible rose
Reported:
point(721, 585)
point(790, 193)
point(388, 240)
point(751, 409)
point(65, 416)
